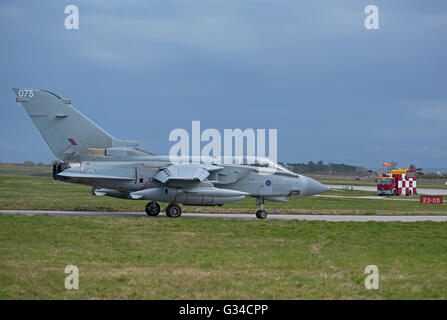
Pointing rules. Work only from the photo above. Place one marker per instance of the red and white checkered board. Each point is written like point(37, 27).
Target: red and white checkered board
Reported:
point(406, 185)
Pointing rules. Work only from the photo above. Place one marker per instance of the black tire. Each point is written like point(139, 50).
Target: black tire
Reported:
point(173, 210)
point(152, 209)
point(58, 167)
point(55, 172)
point(261, 214)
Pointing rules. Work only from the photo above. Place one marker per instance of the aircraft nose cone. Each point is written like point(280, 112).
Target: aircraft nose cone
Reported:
point(314, 187)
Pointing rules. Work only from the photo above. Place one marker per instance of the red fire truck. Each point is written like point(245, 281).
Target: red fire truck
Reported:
point(397, 182)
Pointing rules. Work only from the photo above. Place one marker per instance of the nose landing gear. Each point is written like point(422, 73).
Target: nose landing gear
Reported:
point(261, 214)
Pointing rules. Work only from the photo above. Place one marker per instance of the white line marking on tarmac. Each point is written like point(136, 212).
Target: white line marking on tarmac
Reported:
point(242, 216)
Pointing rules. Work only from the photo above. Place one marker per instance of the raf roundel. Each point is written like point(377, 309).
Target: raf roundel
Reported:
point(268, 183)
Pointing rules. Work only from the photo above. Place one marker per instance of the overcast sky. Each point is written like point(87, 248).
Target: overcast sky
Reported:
point(334, 90)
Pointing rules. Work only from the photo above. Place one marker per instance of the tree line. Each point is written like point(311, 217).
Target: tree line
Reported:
point(321, 167)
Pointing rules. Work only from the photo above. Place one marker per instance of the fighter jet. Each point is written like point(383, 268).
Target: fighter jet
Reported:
point(117, 168)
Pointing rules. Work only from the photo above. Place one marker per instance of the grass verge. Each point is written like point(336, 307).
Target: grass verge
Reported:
point(143, 258)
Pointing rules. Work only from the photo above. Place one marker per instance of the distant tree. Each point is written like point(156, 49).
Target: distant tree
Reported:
point(320, 167)
point(28, 163)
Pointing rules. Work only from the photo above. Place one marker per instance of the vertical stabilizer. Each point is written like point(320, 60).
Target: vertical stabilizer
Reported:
point(67, 132)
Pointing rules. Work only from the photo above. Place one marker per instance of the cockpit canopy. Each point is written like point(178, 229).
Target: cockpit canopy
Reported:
point(264, 164)
point(261, 162)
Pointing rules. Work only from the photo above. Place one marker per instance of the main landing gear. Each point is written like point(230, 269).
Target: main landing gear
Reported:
point(173, 210)
point(261, 214)
point(152, 209)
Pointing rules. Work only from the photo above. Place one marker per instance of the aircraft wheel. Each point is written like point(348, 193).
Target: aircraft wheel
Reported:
point(173, 210)
point(55, 171)
point(261, 214)
point(152, 209)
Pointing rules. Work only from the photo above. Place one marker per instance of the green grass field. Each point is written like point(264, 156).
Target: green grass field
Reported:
point(134, 258)
point(43, 193)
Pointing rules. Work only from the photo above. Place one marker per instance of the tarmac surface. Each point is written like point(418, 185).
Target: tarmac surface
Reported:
point(241, 216)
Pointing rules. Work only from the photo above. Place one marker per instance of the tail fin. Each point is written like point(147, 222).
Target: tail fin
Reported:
point(67, 132)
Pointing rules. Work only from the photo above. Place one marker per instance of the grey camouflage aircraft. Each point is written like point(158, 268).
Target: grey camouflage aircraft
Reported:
point(117, 168)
